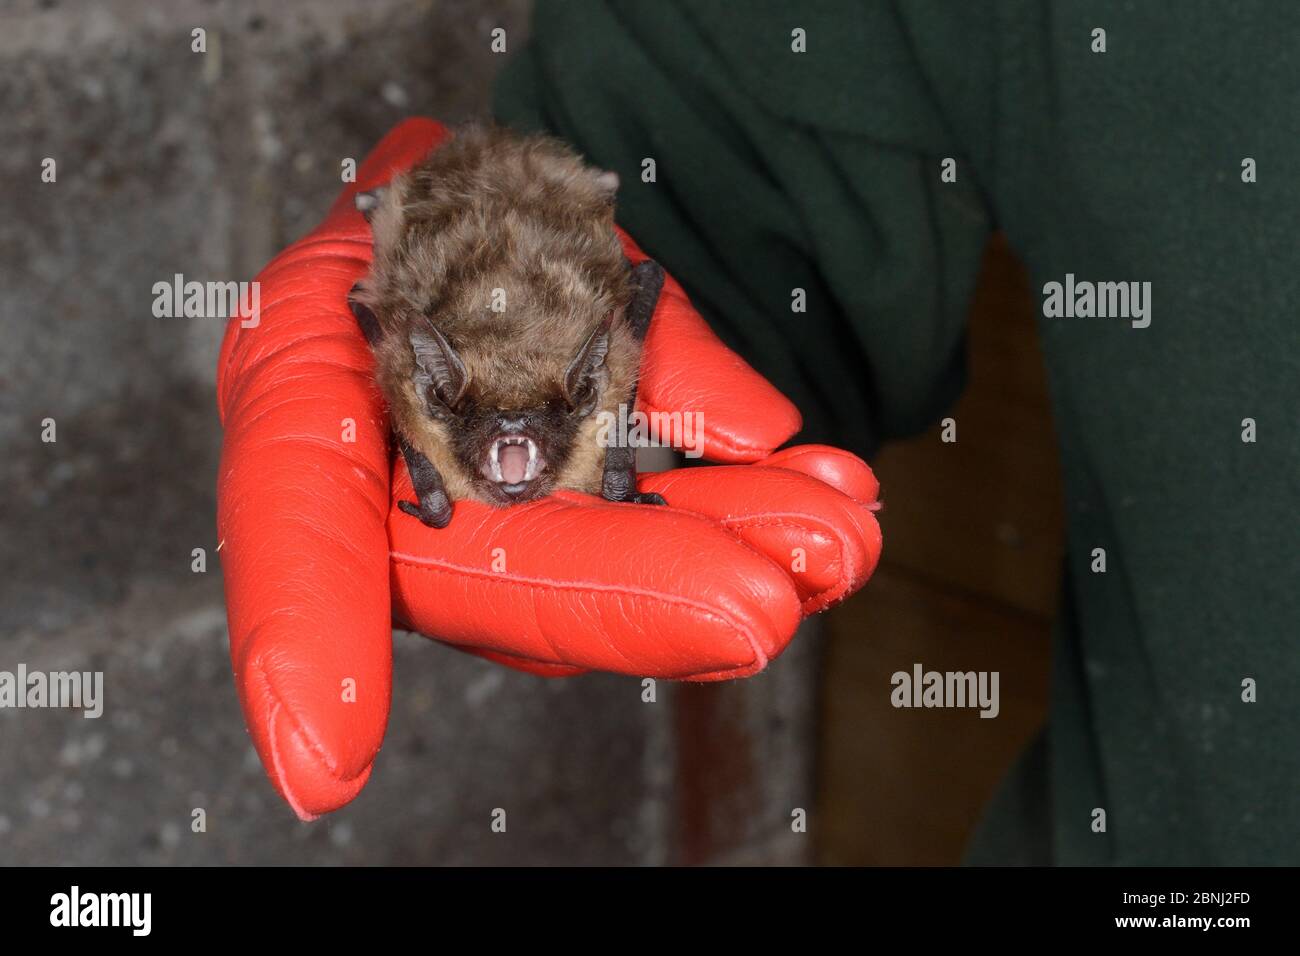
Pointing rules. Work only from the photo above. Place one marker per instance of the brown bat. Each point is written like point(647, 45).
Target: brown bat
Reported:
point(504, 319)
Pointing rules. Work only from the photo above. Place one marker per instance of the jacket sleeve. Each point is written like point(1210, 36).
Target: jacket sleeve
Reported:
point(799, 196)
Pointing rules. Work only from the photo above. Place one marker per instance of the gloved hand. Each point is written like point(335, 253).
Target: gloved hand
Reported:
point(319, 561)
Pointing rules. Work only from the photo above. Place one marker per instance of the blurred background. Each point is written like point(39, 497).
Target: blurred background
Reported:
point(170, 161)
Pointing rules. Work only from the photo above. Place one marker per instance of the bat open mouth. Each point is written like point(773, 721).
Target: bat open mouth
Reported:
point(513, 463)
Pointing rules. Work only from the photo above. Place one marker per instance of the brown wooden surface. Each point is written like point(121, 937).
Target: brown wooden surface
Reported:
point(968, 581)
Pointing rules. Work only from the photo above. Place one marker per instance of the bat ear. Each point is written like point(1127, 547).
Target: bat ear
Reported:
point(368, 201)
point(437, 365)
point(579, 377)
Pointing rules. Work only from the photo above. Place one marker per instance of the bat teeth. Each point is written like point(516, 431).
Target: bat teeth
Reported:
point(535, 461)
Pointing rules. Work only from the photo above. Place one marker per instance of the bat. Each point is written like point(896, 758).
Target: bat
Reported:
point(505, 321)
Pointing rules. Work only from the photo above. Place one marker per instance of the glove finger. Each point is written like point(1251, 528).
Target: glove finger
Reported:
point(827, 543)
point(302, 510)
point(301, 513)
point(842, 470)
point(686, 369)
point(578, 582)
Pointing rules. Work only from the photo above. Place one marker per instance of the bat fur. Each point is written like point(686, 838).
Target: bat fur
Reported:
point(504, 318)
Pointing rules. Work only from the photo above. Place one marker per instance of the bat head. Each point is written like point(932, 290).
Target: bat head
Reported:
point(498, 288)
point(512, 419)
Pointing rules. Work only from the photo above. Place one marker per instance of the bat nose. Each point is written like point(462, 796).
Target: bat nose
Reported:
point(512, 424)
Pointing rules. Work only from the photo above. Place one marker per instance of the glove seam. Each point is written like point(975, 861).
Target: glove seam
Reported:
point(297, 727)
point(432, 564)
point(846, 576)
point(778, 519)
point(281, 776)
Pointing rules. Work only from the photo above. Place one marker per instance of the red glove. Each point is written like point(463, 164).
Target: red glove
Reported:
point(319, 561)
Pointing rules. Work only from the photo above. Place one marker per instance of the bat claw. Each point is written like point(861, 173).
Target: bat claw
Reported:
point(621, 486)
point(434, 511)
point(433, 507)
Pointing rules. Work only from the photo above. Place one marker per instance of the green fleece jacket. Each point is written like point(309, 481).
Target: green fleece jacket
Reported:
point(803, 146)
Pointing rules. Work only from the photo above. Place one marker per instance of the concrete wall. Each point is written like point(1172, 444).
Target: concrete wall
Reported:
point(171, 161)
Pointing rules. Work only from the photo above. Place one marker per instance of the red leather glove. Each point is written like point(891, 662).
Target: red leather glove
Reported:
point(319, 561)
